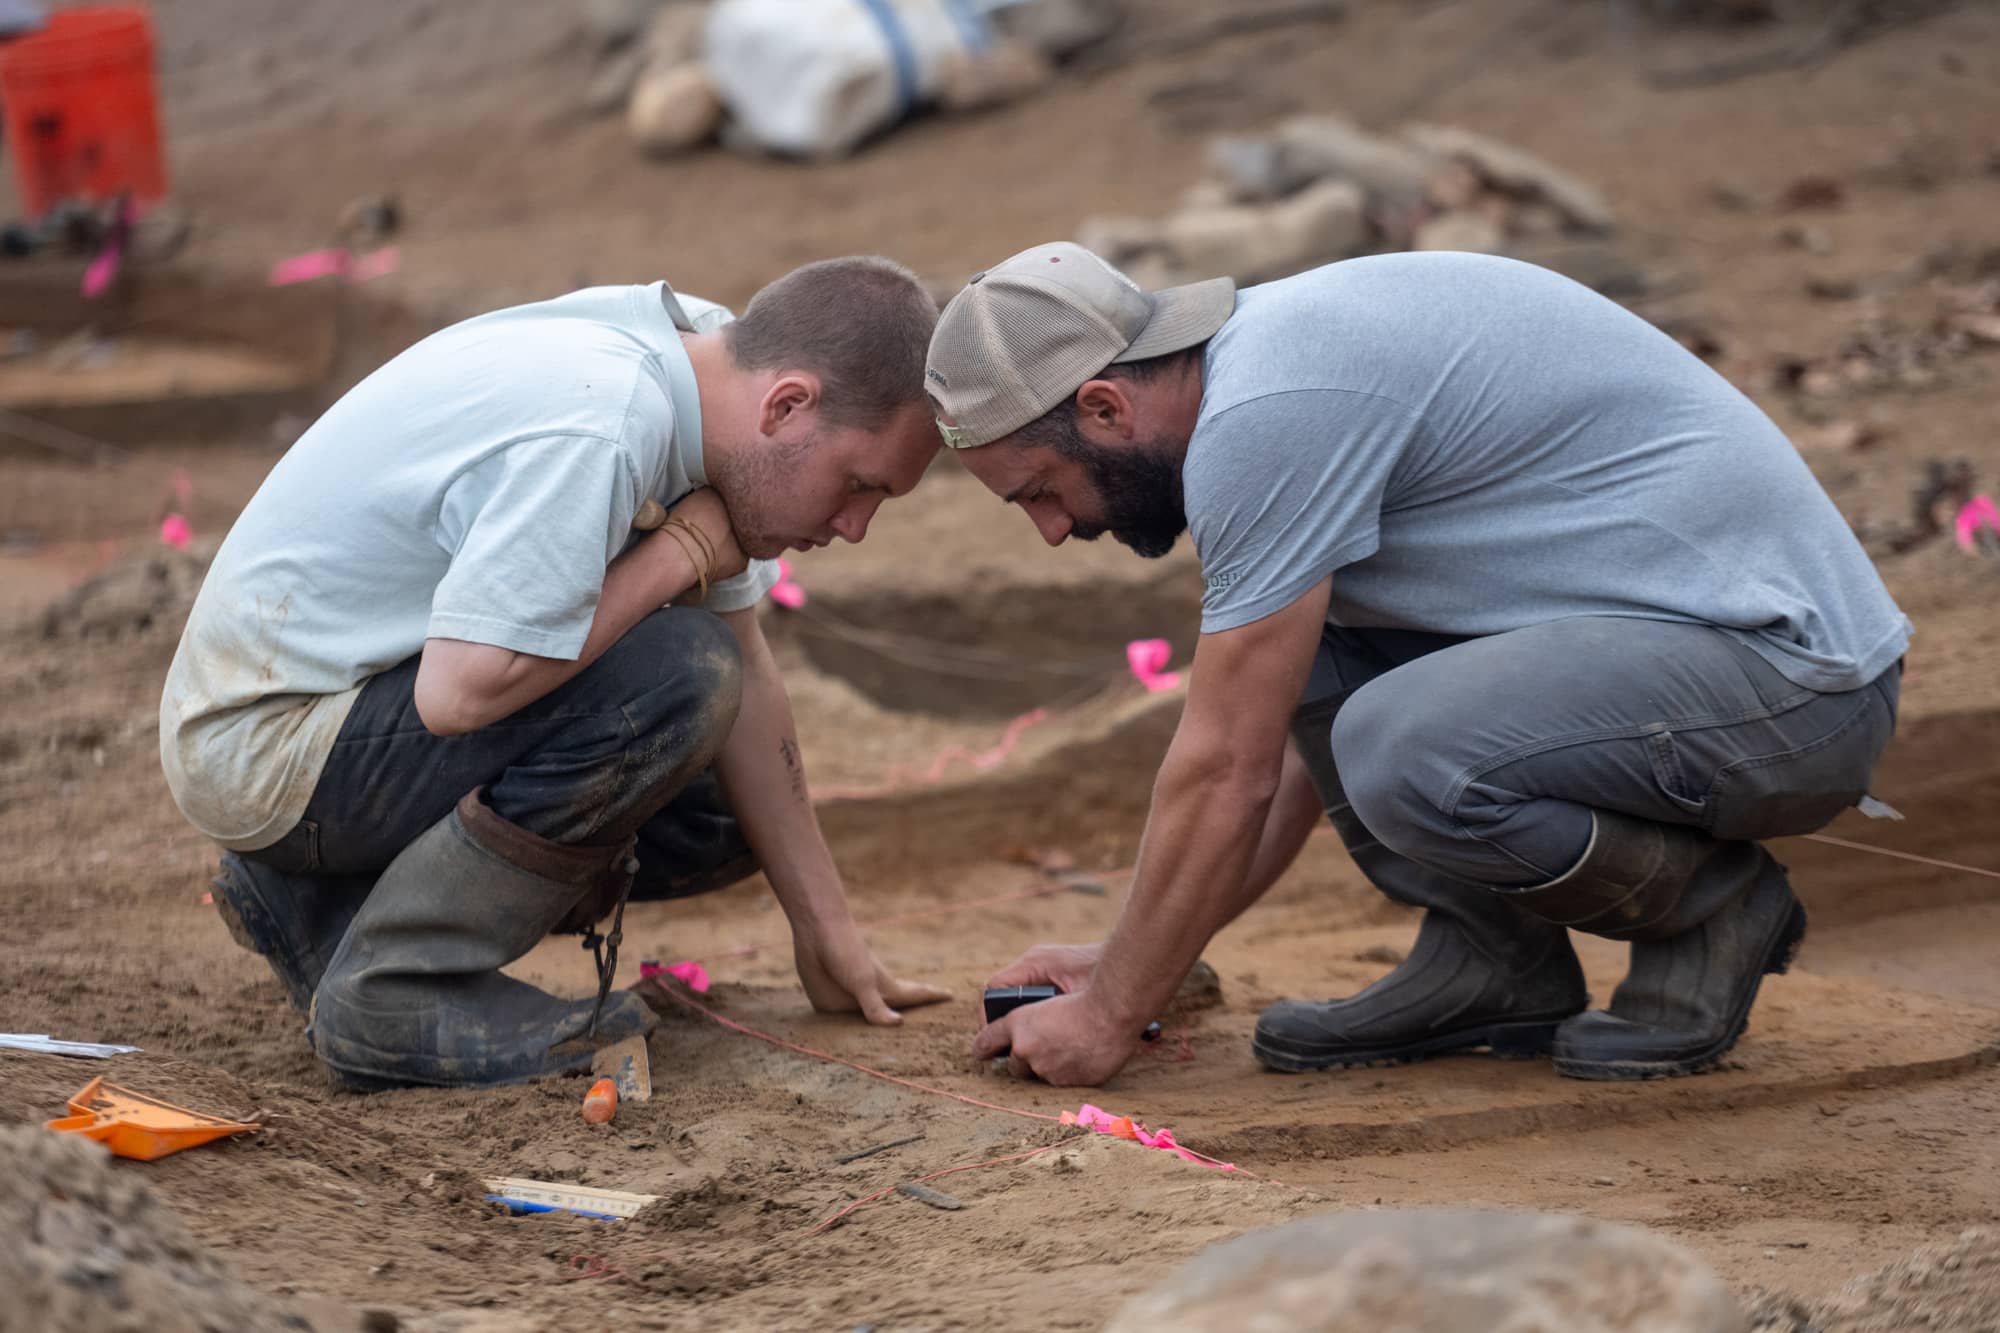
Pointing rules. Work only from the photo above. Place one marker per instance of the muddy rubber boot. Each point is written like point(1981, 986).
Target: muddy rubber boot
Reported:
point(295, 922)
point(1708, 920)
point(1482, 973)
point(415, 994)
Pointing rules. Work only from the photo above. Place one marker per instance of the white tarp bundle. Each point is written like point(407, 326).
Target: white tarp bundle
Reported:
point(816, 77)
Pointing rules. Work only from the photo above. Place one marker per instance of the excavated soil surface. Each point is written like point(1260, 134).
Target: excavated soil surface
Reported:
point(966, 716)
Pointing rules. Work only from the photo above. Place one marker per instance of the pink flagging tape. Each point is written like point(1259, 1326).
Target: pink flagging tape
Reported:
point(901, 778)
point(691, 972)
point(315, 264)
point(1978, 512)
point(1101, 1121)
point(175, 532)
point(787, 592)
point(1901, 856)
point(1148, 659)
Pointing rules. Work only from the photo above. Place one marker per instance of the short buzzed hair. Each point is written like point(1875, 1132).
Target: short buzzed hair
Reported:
point(861, 324)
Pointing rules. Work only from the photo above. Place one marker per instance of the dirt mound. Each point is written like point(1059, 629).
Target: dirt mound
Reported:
point(1953, 1285)
point(95, 1251)
point(149, 596)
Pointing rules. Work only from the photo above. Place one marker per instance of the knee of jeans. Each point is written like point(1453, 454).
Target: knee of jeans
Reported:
point(695, 669)
point(1376, 740)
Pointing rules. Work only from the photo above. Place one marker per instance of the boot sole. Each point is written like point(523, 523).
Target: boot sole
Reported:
point(295, 987)
point(1777, 961)
point(1517, 1040)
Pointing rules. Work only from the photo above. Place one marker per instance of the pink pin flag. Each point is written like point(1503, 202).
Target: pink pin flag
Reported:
point(98, 277)
point(1978, 512)
point(786, 592)
point(1148, 659)
point(308, 266)
point(175, 532)
point(690, 972)
point(1101, 1121)
point(375, 264)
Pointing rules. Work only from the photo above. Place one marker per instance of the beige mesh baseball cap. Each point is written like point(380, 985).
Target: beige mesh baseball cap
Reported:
point(1025, 334)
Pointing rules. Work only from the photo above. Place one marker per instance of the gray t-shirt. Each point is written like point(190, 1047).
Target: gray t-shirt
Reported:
point(1471, 445)
point(473, 488)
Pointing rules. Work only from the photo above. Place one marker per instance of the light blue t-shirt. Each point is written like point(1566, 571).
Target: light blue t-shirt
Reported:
point(474, 488)
point(1472, 445)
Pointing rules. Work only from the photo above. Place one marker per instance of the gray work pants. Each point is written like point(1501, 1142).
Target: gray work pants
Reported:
point(1483, 758)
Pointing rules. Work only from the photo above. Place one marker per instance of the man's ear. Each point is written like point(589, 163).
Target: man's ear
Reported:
point(793, 393)
point(1104, 409)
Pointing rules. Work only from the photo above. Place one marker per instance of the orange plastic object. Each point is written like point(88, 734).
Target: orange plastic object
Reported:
point(82, 114)
point(134, 1125)
point(601, 1102)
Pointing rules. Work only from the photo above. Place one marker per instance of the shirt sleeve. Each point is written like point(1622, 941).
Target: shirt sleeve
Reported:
point(744, 590)
point(1283, 490)
point(530, 530)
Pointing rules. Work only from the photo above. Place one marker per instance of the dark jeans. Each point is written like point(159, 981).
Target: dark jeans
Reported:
point(1483, 758)
point(584, 764)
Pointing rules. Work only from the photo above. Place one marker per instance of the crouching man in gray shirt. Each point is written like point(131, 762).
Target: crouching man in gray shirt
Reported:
point(1557, 623)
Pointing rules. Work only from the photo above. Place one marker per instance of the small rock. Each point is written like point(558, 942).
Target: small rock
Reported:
point(1453, 186)
point(1812, 194)
point(1394, 174)
point(673, 109)
point(1119, 240)
point(1004, 72)
point(1514, 170)
point(1459, 231)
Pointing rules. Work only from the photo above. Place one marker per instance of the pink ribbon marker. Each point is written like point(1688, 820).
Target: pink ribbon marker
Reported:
point(1148, 659)
point(175, 532)
point(314, 264)
point(1979, 512)
point(690, 972)
point(1101, 1121)
point(786, 592)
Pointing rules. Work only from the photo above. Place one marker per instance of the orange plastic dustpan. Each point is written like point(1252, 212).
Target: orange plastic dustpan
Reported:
point(134, 1125)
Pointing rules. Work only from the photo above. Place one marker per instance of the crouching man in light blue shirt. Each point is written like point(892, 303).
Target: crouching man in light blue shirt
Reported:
point(480, 660)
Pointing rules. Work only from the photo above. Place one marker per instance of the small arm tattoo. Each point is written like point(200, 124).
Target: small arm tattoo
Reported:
point(789, 748)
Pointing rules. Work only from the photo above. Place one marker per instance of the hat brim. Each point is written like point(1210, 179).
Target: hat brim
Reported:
point(1182, 317)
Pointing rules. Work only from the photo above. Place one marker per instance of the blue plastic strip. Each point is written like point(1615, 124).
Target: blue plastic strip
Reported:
point(900, 51)
point(519, 1206)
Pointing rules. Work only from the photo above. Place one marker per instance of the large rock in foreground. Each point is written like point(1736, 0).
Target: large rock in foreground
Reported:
point(1439, 1271)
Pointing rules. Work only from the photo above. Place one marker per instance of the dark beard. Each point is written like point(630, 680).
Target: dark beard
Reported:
point(1145, 506)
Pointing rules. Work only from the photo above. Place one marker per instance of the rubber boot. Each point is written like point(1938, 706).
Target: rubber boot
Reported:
point(294, 921)
point(1708, 920)
point(1482, 973)
point(415, 994)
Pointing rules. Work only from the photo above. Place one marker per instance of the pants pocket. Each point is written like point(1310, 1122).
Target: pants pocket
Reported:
point(1670, 775)
point(297, 853)
point(1801, 788)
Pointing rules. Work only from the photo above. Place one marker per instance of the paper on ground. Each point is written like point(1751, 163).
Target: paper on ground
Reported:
point(47, 1045)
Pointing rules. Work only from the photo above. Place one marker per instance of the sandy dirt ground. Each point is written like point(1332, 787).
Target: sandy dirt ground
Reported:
point(965, 714)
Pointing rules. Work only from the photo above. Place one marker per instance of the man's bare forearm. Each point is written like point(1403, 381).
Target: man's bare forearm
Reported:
point(764, 774)
point(1208, 818)
point(461, 687)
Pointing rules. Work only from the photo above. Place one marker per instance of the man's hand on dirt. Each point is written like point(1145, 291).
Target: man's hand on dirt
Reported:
point(704, 509)
point(1067, 1041)
point(1064, 966)
point(840, 976)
